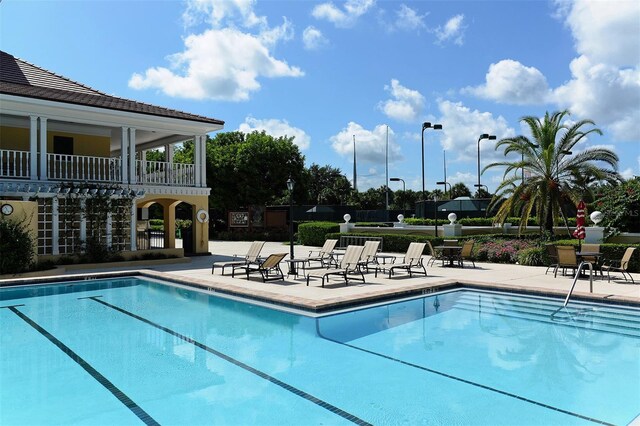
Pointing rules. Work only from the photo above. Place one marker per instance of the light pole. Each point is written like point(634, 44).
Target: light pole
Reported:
point(445, 183)
point(426, 125)
point(290, 185)
point(404, 185)
point(482, 136)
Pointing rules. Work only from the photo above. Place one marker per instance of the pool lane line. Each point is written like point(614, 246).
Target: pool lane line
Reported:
point(261, 374)
point(122, 397)
point(469, 382)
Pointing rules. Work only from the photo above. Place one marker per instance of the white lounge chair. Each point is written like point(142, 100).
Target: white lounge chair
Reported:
point(252, 257)
point(349, 266)
point(324, 254)
point(412, 260)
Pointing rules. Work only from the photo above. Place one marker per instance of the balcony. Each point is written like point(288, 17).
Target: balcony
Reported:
point(81, 168)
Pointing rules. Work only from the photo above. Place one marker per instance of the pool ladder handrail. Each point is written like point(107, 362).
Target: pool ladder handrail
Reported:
point(575, 280)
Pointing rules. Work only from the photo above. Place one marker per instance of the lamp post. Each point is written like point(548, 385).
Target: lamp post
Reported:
point(482, 136)
point(426, 125)
point(290, 185)
point(445, 183)
point(404, 185)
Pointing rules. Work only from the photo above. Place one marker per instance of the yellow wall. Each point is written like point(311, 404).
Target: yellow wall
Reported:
point(15, 138)
point(25, 212)
point(197, 202)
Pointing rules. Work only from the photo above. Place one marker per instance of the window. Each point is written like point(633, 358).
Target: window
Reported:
point(63, 145)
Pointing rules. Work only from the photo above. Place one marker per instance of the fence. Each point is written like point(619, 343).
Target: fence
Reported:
point(149, 239)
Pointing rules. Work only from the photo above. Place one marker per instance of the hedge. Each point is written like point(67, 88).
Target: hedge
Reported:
point(315, 233)
point(484, 221)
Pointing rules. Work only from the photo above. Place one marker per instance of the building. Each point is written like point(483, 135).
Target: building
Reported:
point(73, 164)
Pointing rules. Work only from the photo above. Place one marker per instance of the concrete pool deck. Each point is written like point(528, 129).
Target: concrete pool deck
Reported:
point(294, 292)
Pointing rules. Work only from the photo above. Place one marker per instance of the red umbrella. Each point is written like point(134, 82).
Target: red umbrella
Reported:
point(579, 233)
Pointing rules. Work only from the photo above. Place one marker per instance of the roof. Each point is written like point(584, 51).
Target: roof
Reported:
point(20, 78)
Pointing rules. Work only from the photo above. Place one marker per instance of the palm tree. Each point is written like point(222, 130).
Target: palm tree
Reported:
point(556, 174)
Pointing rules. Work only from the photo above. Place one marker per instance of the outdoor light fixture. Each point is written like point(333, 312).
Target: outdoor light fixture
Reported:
point(482, 136)
point(404, 186)
point(445, 183)
point(290, 185)
point(426, 125)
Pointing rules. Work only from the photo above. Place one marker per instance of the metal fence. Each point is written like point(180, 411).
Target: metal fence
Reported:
point(149, 239)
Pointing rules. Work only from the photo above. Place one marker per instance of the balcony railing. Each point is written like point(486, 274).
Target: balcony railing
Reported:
point(14, 164)
point(83, 168)
point(62, 167)
point(164, 173)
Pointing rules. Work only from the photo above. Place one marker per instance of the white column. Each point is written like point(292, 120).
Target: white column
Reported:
point(132, 155)
point(197, 153)
point(83, 219)
point(43, 148)
point(203, 160)
point(55, 226)
point(124, 150)
point(109, 229)
point(133, 225)
point(168, 153)
point(33, 147)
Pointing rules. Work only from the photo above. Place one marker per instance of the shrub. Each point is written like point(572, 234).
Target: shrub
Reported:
point(397, 243)
point(16, 247)
point(502, 251)
point(533, 256)
point(315, 233)
point(156, 224)
point(266, 234)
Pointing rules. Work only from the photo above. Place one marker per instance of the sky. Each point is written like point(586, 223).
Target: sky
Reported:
point(327, 72)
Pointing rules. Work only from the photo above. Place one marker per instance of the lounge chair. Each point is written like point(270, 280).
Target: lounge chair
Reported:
point(368, 256)
point(412, 259)
point(620, 265)
point(466, 253)
point(552, 254)
point(566, 259)
point(252, 257)
point(435, 255)
point(324, 254)
point(267, 268)
point(349, 265)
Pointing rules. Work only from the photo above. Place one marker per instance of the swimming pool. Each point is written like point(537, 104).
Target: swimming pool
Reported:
point(134, 351)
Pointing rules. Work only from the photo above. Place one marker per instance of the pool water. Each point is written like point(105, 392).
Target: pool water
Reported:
point(135, 351)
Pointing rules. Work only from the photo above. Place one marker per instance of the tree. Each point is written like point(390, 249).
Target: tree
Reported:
point(620, 206)
point(459, 190)
point(404, 200)
point(326, 185)
point(371, 199)
point(482, 193)
point(552, 166)
point(252, 169)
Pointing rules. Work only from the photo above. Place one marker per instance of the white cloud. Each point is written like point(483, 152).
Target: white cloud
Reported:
point(345, 17)
point(627, 173)
point(453, 31)
point(217, 64)
point(276, 128)
point(462, 127)
point(408, 19)
point(221, 63)
point(406, 105)
point(511, 82)
point(313, 38)
point(607, 31)
point(370, 144)
point(605, 83)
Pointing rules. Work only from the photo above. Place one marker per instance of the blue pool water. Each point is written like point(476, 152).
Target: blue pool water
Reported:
point(133, 351)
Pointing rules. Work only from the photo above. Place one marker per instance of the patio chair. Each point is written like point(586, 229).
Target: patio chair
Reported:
point(552, 254)
point(267, 268)
point(620, 265)
point(251, 257)
point(466, 253)
point(412, 259)
point(435, 255)
point(324, 254)
point(566, 259)
point(594, 260)
point(349, 265)
point(368, 256)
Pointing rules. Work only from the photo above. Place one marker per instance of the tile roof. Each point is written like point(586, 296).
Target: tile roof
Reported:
point(20, 78)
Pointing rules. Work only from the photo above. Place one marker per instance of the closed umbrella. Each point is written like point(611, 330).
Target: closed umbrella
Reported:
point(580, 233)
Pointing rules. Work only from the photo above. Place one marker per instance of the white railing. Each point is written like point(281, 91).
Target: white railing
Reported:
point(83, 168)
point(14, 164)
point(165, 173)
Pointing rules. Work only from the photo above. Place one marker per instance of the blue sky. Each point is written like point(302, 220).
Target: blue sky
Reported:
point(326, 71)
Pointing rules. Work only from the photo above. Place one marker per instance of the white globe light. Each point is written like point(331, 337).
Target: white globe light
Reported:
point(596, 217)
point(452, 217)
point(347, 217)
point(400, 218)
